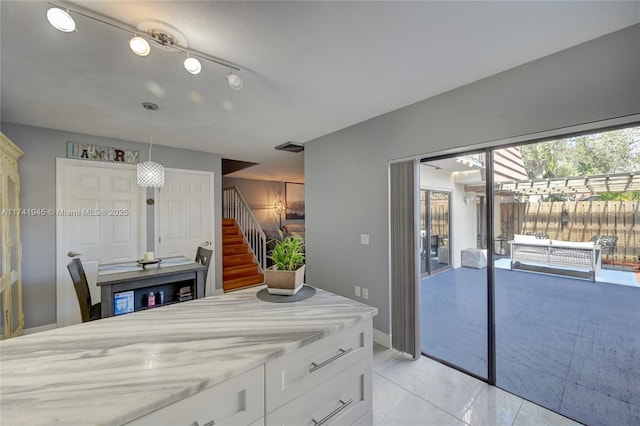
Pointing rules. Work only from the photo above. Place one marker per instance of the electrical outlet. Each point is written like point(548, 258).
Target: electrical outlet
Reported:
point(357, 290)
point(365, 293)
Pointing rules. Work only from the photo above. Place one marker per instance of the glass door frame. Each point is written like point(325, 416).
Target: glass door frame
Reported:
point(489, 236)
point(426, 247)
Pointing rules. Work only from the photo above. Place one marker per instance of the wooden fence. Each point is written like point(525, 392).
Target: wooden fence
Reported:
point(584, 220)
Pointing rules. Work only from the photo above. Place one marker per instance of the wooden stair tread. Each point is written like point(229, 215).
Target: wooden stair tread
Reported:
point(234, 249)
point(228, 222)
point(237, 283)
point(230, 230)
point(240, 271)
point(237, 259)
point(232, 239)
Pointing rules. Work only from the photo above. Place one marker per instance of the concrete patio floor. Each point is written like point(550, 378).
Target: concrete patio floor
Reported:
point(568, 344)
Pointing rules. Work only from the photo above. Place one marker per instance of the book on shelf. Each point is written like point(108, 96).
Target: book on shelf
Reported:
point(184, 294)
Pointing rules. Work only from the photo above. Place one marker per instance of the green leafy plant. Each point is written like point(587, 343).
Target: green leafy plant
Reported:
point(288, 253)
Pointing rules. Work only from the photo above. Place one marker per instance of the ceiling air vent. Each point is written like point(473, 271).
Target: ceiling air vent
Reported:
point(291, 147)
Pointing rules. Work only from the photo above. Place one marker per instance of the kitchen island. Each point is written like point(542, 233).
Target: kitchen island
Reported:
point(230, 359)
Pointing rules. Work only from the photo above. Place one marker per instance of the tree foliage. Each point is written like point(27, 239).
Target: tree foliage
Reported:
point(615, 151)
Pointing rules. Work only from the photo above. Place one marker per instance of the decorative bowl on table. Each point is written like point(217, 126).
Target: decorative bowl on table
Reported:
point(144, 263)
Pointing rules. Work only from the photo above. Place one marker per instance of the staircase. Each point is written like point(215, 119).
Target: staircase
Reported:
point(239, 268)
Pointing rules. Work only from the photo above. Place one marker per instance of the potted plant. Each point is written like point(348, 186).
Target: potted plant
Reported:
point(286, 275)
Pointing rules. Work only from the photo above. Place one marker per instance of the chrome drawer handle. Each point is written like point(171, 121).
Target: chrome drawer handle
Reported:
point(342, 353)
point(333, 413)
point(196, 423)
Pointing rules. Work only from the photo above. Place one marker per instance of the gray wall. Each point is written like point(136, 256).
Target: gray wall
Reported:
point(261, 195)
point(38, 179)
point(346, 172)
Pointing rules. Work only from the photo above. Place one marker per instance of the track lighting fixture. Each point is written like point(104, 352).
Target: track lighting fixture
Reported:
point(139, 46)
point(192, 65)
point(234, 80)
point(60, 18)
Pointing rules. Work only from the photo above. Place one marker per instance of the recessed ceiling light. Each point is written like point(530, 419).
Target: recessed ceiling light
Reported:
point(61, 20)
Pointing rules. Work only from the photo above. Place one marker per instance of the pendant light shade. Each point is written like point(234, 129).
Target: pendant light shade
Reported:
point(149, 173)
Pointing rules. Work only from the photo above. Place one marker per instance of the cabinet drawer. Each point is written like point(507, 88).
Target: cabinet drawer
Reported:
point(342, 400)
point(295, 373)
point(239, 400)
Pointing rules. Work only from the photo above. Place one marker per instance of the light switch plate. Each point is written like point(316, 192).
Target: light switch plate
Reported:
point(364, 239)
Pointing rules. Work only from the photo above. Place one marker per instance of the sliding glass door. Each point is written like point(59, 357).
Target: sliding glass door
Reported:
point(541, 297)
point(435, 229)
point(454, 281)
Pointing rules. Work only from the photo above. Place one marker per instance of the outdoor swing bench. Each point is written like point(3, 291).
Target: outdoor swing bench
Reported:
point(562, 256)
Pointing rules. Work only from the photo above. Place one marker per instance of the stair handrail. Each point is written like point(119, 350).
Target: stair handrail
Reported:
point(235, 207)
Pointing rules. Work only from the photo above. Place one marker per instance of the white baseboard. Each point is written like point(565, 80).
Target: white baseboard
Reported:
point(382, 338)
point(40, 328)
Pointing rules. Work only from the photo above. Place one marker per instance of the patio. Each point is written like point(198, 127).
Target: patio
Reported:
point(568, 344)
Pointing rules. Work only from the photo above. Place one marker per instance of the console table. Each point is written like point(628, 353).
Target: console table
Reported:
point(167, 276)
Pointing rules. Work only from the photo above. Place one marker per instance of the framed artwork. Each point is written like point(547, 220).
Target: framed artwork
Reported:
point(294, 196)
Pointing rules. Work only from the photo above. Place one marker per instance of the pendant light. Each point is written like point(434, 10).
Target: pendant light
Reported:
point(150, 174)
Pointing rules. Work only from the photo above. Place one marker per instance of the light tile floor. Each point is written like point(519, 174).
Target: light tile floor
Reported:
point(425, 392)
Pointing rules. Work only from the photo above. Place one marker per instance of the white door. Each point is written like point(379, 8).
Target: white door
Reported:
point(99, 214)
point(184, 216)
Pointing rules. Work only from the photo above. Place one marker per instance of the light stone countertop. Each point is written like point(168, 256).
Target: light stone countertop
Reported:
point(116, 369)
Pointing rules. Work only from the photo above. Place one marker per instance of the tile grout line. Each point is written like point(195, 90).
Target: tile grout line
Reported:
point(513, 422)
point(429, 402)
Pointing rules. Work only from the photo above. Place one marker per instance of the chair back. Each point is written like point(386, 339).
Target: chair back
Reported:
point(82, 288)
point(607, 243)
point(203, 256)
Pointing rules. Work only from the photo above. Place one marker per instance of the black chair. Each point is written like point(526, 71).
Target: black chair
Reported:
point(607, 245)
point(88, 311)
point(203, 256)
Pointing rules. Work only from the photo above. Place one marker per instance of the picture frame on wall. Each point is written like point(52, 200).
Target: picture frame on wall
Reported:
point(294, 198)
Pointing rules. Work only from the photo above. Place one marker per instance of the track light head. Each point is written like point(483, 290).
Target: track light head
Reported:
point(234, 80)
point(192, 65)
point(139, 46)
point(61, 20)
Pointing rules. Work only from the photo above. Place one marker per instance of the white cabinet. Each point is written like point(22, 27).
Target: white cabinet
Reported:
point(12, 322)
point(237, 401)
point(325, 382)
point(341, 400)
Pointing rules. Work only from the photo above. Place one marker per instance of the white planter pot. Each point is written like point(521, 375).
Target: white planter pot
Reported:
point(284, 282)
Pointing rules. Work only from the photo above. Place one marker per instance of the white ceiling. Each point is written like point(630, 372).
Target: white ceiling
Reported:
point(309, 68)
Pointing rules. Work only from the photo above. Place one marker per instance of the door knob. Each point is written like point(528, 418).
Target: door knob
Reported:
point(73, 254)
point(206, 243)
